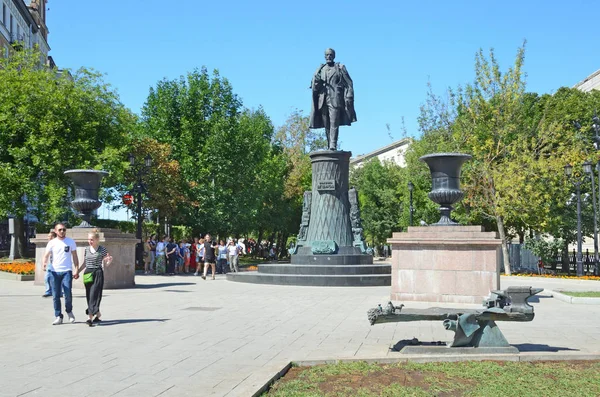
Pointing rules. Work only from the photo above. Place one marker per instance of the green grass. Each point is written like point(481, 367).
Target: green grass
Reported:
point(487, 378)
point(582, 294)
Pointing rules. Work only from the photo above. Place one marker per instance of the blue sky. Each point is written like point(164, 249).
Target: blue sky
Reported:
point(270, 49)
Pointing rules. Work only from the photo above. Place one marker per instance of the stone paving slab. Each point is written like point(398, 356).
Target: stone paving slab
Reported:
point(179, 336)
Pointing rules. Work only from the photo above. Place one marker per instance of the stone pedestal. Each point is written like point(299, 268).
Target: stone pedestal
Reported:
point(330, 250)
point(121, 272)
point(444, 264)
point(328, 238)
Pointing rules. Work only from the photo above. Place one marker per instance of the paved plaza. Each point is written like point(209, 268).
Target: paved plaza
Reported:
point(182, 336)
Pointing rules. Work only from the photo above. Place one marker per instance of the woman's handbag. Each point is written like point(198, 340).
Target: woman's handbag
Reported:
point(88, 278)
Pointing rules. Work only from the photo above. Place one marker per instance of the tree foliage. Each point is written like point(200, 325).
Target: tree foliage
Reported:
point(51, 122)
point(232, 172)
point(380, 188)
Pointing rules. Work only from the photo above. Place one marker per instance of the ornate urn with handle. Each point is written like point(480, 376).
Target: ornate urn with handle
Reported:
point(445, 174)
point(87, 186)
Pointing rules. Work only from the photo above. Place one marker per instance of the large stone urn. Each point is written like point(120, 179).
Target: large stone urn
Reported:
point(87, 186)
point(445, 182)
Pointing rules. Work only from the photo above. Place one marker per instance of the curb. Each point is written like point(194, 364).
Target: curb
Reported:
point(573, 299)
point(421, 358)
point(16, 277)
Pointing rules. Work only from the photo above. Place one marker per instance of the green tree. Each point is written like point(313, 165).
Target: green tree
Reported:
point(223, 151)
point(379, 191)
point(519, 141)
point(51, 122)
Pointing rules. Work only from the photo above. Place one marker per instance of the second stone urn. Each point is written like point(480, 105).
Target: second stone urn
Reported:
point(87, 187)
point(445, 175)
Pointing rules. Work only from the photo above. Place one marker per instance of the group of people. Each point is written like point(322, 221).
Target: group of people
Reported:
point(168, 257)
point(61, 264)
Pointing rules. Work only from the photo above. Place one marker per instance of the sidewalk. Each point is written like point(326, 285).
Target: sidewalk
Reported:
point(180, 336)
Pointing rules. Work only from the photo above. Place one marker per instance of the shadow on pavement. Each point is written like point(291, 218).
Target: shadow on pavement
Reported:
point(534, 347)
point(132, 321)
point(160, 285)
point(415, 342)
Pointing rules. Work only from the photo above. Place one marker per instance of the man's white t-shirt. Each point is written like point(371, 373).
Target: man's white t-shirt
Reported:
point(62, 253)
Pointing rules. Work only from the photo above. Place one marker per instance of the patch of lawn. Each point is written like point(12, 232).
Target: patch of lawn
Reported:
point(484, 378)
point(582, 294)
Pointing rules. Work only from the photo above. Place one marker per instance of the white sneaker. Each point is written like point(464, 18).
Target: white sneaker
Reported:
point(57, 321)
point(71, 317)
point(195, 274)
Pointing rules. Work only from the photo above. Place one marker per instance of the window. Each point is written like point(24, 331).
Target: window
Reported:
point(3, 14)
point(11, 25)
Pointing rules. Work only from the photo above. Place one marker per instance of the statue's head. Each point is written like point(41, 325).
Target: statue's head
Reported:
point(329, 55)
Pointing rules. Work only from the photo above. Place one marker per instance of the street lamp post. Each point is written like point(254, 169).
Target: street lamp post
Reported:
point(577, 184)
point(139, 189)
point(410, 208)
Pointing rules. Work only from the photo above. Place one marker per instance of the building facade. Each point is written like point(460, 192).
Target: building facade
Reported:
point(23, 26)
point(393, 152)
point(592, 82)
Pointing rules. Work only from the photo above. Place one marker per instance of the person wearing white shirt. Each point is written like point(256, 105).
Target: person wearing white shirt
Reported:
point(64, 259)
point(233, 251)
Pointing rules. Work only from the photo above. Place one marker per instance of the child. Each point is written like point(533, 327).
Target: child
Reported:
point(186, 256)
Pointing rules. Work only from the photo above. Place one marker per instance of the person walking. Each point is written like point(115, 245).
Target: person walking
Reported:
point(209, 256)
point(94, 259)
point(48, 280)
point(63, 251)
point(222, 254)
point(199, 256)
point(161, 259)
point(172, 252)
point(233, 251)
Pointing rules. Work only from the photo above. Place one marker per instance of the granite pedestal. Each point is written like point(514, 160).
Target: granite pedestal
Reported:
point(120, 274)
point(331, 250)
point(444, 264)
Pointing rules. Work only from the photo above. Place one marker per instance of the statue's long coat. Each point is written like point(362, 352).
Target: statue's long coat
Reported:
point(340, 88)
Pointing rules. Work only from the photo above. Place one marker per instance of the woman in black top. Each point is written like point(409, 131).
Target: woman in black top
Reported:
point(171, 252)
point(95, 257)
point(209, 256)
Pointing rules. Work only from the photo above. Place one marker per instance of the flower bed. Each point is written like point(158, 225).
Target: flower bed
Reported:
point(25, 268)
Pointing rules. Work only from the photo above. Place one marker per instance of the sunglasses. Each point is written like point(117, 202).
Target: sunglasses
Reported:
point(62, 230)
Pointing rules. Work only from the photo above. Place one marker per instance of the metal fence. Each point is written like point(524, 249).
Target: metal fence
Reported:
point(522, 260)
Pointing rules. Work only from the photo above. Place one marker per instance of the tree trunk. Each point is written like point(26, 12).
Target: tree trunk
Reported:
point(20, 240)
point(159, 230)
point(257, 248)
point(283, 250)
point(505, 257)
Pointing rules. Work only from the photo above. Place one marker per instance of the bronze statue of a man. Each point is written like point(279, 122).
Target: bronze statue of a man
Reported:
point(333, 98)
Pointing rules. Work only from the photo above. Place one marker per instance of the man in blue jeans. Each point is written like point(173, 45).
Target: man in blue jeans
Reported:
point(64, 258)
